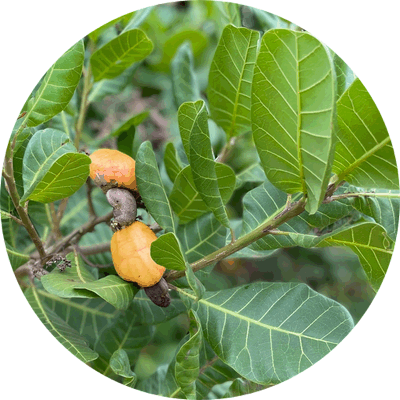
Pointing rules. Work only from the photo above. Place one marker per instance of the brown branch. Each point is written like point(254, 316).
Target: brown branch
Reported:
point(89, 189)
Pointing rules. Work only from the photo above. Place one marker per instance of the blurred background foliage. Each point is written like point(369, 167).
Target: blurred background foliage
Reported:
point(143, 98)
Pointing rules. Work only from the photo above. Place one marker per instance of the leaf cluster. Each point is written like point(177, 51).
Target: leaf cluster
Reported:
point(251, 137)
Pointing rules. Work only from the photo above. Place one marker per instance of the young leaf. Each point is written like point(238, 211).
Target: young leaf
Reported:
point(52, 169)
point(66, 335)
point(184, 82)
point(265, 317)
point(194, 282)
point(166, 251)
point(231, 74)
point(203, 165)
point(151, 187)
point(293, 109)
point(364, 154)
point(187, 359)
point(119, 363)
point(230, 13)
point(120, 53)
point(57, 87)
point(185, 198)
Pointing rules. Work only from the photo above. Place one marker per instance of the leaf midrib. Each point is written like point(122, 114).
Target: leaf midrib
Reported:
point(252, 321)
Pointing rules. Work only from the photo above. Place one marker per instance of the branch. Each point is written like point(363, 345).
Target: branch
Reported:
point(290, 211)
point(365, 194)
point(8, 174)
point(226, 151)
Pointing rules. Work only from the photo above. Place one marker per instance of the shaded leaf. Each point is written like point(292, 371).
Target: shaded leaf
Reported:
point(252, 174)
point(16, 257)
point(184, 82)
point(231, 74)
point(230, 13)
point(344, 75)
point(66, 335)
point(293, 108)
point(138, 18)
point(171, 161)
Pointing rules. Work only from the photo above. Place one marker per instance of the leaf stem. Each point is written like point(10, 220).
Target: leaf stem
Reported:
point(362, 194)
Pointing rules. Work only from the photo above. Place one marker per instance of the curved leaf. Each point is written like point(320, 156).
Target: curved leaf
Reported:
point(57, 87)
point(364, 153)
point(202, 162)
point(52, 169)
point(280, 328)
point(293, 108)
point(171, 161)
point(119, 363)
point(231, 74)
point(151, 187)
point(120, 53)
point(187, 359)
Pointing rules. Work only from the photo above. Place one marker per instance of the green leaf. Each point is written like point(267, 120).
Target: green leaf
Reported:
point(112, 289)
point(371, 244)
point(344, 75)
point(66, 335)
point(184, 82)
point(241, 387)
point(120, 53)
point(187, 359)
point(364, 154)
point(94, 35)
point(138, 18)
point(269, 21)
point(203, 165)
point(293, 110)
point(231, 74)
point(230, 13)
point(171, 161)
point(185, 198)
point(280, 329)
point(166, 251)
point(57, 87)
point(194, 283)
point(384, 210)
point(252, 174)
point(52, 169)
point(119, 363)
point(151, 187)
point(63, 284)
point(124, 334)
point(78, 281)
point(16, 257)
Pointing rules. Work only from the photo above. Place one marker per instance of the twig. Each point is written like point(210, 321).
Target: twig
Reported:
point(226, 151)
point(89, 188)
point(88, 262)
point(361, 194)
point(8, 215)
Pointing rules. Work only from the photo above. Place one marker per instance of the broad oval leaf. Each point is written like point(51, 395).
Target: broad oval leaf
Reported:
point(166, 251)
point(151, 187)
point(364, 153)
point(231, 74)
point(185, 198)
point(120, 53)
point(280, 329)
point(57, 87)
point(293, 109)
point(52, 169)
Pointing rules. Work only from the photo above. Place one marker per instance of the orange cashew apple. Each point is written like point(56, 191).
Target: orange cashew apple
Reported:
point(111, 168)
point(130, 250)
